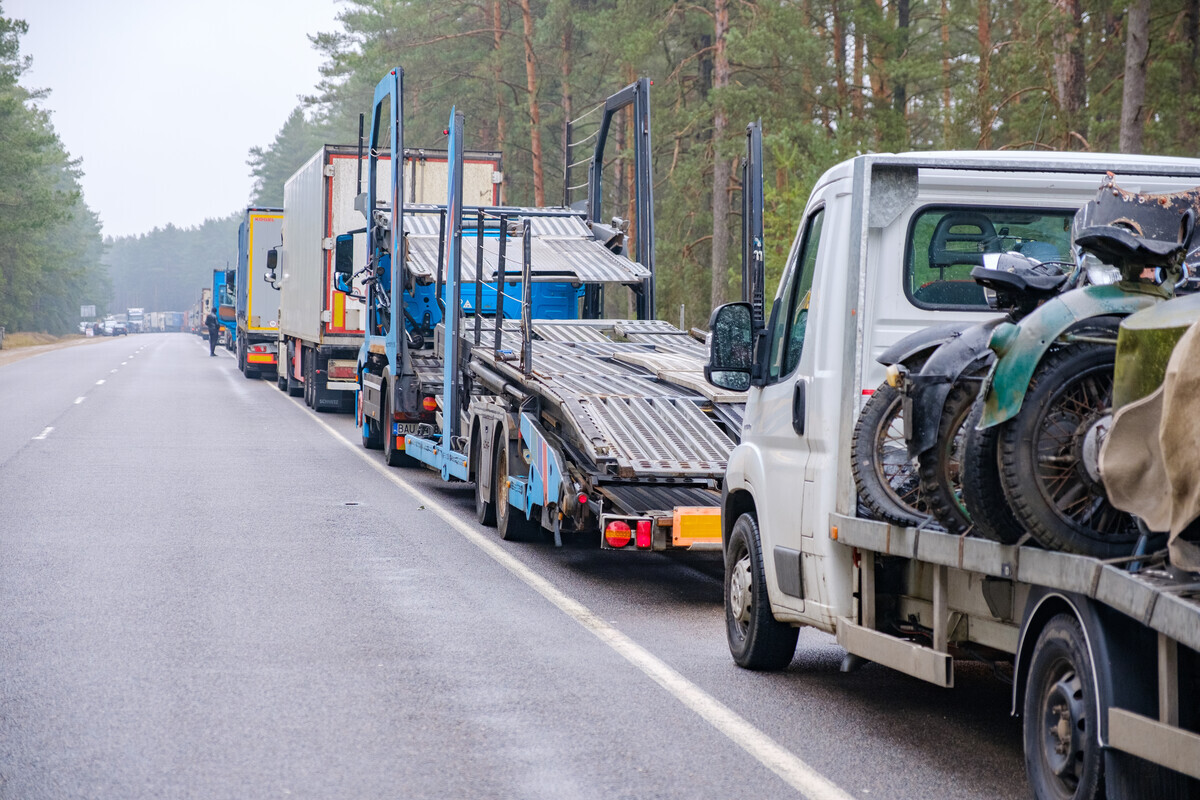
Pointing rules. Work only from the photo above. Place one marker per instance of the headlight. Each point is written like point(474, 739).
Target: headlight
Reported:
point(1098, 273)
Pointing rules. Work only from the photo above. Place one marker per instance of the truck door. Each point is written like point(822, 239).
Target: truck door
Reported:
point(781, 426)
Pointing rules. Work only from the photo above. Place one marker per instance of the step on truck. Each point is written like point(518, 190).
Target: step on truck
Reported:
point(257, 327)
point(1102, 655)
point(565, 421)
point(321, 328)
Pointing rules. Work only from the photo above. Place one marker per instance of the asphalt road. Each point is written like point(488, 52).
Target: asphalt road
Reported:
point(207, 590)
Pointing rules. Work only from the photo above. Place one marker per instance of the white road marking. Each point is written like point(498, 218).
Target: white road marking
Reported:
point(79, 400)
point(111, 371)
point(123, 363)
point(43, 434)
point(101, 381)
point(774, 756)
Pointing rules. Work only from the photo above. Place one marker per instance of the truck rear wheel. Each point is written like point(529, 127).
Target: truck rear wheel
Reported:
point(511, 524)
point(485, 503)
point(1063, 758)
point(888, 481)
point(756, 639)
point(1049, 454)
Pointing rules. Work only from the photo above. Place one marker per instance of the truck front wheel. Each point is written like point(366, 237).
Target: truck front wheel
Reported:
point(756, 639)
point(1062, 750)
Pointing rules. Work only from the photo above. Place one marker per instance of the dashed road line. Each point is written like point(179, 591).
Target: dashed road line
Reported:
point(43, 434)
point(79, 400)
point(101, 381)
point(790, 768)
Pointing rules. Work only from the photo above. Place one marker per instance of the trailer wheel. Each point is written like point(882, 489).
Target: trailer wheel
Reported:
point(888, 481)
point(1063, 758)
point(756, 639)
point(982, 493)
point(294, 387)
point(510, 523)
point(306, 368)
point(372, 437)
point(281, 378)
point(1049, 455)
point(485, 507)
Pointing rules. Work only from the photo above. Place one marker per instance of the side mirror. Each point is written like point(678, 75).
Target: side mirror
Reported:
point(730, 347)
point(272, 264)
point(343, 262)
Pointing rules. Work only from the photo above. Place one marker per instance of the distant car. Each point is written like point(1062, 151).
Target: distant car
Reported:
point(119, 329)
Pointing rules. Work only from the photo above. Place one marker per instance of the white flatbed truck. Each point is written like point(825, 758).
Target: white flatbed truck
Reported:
point(1103, 656)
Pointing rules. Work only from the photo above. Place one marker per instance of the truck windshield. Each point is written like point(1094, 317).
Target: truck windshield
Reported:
point(946, 242)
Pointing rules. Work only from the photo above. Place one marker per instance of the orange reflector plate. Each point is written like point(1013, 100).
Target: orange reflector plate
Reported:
point(260, 358)
point(695, 525)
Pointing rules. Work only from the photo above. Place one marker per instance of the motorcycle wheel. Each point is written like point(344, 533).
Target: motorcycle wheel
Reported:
point(887, 479)
point(940, 466)
point(1049, 455)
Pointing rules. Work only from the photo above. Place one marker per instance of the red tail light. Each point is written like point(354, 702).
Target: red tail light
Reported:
point(429, 404)
point(643, 534)
point(617, 534)
point(582, 499)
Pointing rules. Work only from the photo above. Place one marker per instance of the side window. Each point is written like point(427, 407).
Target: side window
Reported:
point(790, 320)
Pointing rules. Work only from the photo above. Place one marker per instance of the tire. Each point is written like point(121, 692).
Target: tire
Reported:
point(940, 466)
point(294, 387)
point(511, 524)
point(394, 456)
point(485, 507)
point(1063, 758)
point(1049, 478)
point(756, 639)
point(281, 380)
point(306, 369)
point(372, 432)
point(887, 479)
point(982, 493)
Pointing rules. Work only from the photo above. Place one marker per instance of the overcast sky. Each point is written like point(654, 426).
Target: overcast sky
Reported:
point(162, 99)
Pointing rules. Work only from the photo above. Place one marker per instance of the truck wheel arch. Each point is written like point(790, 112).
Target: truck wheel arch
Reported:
point(735, 504)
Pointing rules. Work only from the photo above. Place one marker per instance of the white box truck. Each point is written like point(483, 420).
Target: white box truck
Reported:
point(1104, 661)
point(320, 328)
point(257, 301)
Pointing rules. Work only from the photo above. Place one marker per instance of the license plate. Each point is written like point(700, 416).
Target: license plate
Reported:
point(404, 428)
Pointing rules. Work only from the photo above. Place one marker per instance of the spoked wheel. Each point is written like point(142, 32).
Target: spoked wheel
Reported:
point(756, 639)
point(941, 466)
point(982, 492)
point(889, 483)
point(1050, 455)
point(1062, 751)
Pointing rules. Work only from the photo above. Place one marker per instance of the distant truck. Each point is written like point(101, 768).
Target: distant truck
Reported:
point(173, 321)
point(225, 303)
point(320, 328)
point(200, 311)
point(136, 320)
point(257, 328)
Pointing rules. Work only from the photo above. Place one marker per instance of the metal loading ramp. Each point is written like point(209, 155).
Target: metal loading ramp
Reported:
point(629, 418)
point(649, 499)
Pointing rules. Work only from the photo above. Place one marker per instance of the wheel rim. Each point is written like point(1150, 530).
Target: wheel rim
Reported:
point(898, 474)
point(1064, 728)
point(952, 460)
point(741, 593)
point(498, 478)
point(1070, 421)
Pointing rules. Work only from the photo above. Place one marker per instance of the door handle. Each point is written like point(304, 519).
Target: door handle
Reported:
point(798, 405)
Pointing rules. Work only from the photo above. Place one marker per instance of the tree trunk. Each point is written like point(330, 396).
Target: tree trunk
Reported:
point(985, 63)
point(856, 92)
point(498, 85)
point(839, 56)
point(1188, 82)
point(568, 156)
point(1133, 98)
point(535, 114)
point(721, 167)
point(900, 95)
point(947, 127)
point(1069, 67)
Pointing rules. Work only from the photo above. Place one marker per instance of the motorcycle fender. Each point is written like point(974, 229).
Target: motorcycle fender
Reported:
point(920, 342)
point(929, 389)
point(1020, 348)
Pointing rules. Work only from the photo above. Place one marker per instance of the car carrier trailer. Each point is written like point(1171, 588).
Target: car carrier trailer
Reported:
point(564, 421)
point(1103, 655)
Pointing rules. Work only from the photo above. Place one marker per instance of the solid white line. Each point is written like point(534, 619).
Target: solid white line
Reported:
point(101, 381)
point(774, 756)
point(79, 400)
point(43, 434)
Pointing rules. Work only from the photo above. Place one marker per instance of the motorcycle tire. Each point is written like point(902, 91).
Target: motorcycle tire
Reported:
point(1049, 453)
point(887, 479)
point(940, 467)
point(982, 492)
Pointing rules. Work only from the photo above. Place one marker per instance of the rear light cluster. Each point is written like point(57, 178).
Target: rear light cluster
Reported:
point(619, 533)
point(342, 371)
point(259, 348)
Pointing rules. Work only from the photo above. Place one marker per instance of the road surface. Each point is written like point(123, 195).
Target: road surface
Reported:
point(207, 590)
